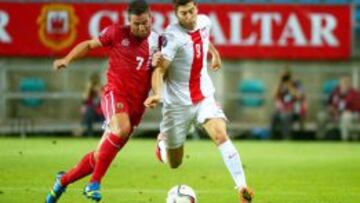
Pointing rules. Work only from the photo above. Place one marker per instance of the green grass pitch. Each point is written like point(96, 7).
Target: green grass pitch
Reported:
point(279, 172)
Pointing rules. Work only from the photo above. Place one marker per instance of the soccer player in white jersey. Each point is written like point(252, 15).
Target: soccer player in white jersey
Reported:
point(188, 93)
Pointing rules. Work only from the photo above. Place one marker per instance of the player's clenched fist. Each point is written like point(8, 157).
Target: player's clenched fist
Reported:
point(152, 101)
point(60, 64)
point(215, 62)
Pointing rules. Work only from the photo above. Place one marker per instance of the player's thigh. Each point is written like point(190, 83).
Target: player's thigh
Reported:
point(120, 124)
point(213, 120)
point(216, 129)
point(175, 125)
point(116, 113)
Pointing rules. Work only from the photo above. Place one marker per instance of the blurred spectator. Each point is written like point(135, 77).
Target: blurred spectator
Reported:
point(91, 108)
point(290, 107)
point(343, 108)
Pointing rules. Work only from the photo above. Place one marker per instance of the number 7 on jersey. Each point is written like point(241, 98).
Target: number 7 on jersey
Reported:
point(140, 61)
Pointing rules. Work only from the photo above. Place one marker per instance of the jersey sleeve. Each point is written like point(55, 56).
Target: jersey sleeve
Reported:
point(107, 36)
point(169, 45)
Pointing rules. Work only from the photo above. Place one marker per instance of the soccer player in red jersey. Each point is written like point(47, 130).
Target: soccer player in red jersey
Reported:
point(128, 83)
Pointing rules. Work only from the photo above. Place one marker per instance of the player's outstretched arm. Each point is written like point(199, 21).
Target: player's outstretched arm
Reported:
point(157, 80)
point(215, 58)
point(78, 51)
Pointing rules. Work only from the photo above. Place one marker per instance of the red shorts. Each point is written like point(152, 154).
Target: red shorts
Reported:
point(113, 103)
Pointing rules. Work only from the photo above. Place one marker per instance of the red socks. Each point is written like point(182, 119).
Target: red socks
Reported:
point(107, 152)
point(82, 169)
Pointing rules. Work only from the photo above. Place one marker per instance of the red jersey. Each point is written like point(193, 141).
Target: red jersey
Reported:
point(345, 101)
point(129, 68)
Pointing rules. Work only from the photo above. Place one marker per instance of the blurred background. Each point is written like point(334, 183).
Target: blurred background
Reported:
point(290, 70)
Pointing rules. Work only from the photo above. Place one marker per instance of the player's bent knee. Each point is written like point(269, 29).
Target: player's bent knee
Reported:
point(220, 138)
point(96, 155)
point(126, 131)
point(121, 131)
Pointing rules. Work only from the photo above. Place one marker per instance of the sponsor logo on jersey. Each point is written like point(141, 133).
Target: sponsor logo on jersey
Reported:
point(125, 42)
point(57, 26)
point(120, 106)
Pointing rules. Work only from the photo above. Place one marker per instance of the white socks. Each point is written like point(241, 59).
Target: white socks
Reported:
point(230, 156)
point(163, 150)
point(232, 161)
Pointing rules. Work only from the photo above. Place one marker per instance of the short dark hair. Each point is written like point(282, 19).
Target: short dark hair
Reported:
point(178, 3)
point(138, 7)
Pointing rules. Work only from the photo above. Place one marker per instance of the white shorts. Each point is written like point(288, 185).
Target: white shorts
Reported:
point(177, 119)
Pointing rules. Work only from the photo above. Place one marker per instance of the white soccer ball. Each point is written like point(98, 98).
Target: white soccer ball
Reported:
point(181, 194)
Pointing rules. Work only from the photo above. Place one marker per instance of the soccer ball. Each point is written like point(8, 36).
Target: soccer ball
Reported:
point(181, 194)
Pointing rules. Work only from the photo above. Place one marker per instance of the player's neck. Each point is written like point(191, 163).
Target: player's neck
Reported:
point(137, 37)
point(189, 29)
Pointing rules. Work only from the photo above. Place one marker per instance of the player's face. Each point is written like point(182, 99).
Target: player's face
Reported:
point(187, 15)
point(140, 24)
point(345, 84)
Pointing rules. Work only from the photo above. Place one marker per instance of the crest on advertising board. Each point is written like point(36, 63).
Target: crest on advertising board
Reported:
point(57, 26)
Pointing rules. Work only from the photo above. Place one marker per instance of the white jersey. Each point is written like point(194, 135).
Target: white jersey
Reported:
point(188, 81)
